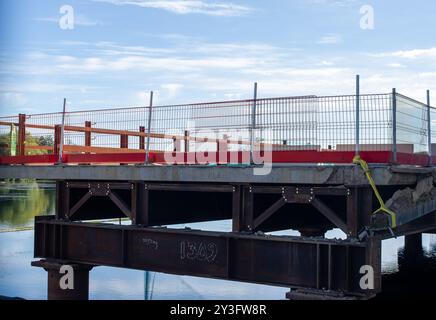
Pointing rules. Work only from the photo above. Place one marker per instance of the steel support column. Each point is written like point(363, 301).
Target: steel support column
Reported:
point(359, 209)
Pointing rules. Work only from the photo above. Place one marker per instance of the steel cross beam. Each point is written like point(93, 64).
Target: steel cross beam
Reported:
point(301, 195)
point(94, 189)
point(294, 262)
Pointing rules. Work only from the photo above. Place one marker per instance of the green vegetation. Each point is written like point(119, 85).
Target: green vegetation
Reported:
point(30, 141)
point(22, 200)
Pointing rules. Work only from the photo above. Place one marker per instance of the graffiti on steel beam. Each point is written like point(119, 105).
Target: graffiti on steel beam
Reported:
point(198, 251)
point(150, 243)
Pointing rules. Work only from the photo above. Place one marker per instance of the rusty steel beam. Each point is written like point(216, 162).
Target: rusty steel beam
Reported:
point(252, 208)
point(282, 261)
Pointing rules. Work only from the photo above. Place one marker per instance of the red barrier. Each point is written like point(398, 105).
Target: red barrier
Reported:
point(340, 157)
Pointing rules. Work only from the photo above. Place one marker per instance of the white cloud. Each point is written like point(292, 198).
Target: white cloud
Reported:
point(13, 98)
point(334, 3)
point(327, 63)
point(137, 63)
point(192, 72)
point(79, 20)
point(187, 6)
point(330, 39)
point(172, 89)
point(396, 65)
point(409, 54)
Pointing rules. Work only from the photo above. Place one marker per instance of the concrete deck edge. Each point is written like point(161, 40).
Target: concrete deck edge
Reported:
point(288, 174)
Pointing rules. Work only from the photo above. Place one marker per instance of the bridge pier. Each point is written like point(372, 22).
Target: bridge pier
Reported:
point(80, 288)
point(413, 243)
point(411, 257)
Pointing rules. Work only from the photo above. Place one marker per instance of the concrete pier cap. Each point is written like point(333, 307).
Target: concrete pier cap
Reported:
point(66, 281)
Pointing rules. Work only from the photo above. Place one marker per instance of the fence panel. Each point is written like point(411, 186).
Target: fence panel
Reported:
point(412, 129)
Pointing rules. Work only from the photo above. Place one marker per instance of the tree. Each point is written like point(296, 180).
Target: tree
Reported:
point(46, 141)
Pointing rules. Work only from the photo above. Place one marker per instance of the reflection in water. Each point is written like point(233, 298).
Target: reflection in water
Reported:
point(410, 273)
point(149, 278)
point(416, 274)
point(21, 201)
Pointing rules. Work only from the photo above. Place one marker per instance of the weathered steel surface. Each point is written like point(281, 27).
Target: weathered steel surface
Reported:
point(282, 261)
point(283, 174)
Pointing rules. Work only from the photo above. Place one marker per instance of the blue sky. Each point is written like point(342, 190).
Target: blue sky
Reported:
point(203, 50)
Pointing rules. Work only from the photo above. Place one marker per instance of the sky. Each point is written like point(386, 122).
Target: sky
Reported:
point(116, 51)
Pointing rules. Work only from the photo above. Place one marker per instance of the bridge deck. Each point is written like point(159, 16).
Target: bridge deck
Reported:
point(312, 174)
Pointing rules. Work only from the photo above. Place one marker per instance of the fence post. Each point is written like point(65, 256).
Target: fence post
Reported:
point(394, 125)
point(142, 138)
point(222, 149)
point(430, 149)
point(61, 142)
point(253, 123)
point(13, 141)
point(57, 140)
point(186, 139)
point(124, 141)
point(147, 152)
point(357, 115)
point(177, 145)
point(87, 134)
point(21, 135)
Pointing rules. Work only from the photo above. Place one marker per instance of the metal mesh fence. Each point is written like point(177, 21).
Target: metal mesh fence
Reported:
point(433, 131)
point(411, 126)
point(307, 123)
point(202, 126)
point(40, 134)
point(113, 120)
point(324, 123)
point(376, 122)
